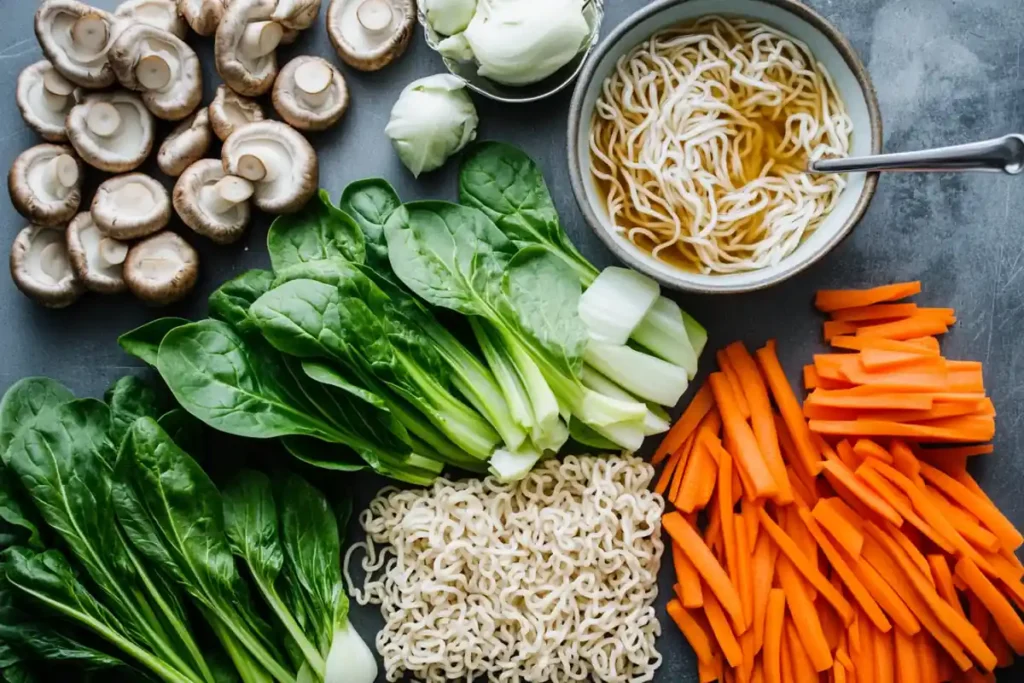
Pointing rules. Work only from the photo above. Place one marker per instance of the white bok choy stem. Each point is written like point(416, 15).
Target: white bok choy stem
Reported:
point(350, 660)
point(615, 304)
point(655, 422)
point(664, 333)
point(642, 375)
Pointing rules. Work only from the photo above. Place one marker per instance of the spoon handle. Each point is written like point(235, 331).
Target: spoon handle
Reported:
point(1004, 154)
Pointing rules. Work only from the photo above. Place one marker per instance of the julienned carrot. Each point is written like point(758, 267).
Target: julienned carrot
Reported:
point(966, 524)
point(940, 453)
point(724, 510)
point(687, 578)
point(844, 533)
point(684, 452)
point(1002, 612)
point(775, 613)
point(805, 618)
point(989, 514)
point(944, 581)
point(692, 629)
point(927, 658)
point(866, 448)
point(748, 454)
point(908, 328)
point(879, 401)
point(939, 411)
point(828, 300)
point(727, 368)
point(745, 576)
point(748, 510)
point(886, 597)
point(906, 658)
point(953, 429)
point(704, 561)
point(803, 667)
point(883, 661)
point(764, 560)
point(698, 407)
point(914, 379)
point(810, 572)
point(862, 492)
point(905, 461)
point(811, 378)
point(853, 343)
point(838, 328)
point(668, 472)
point(789, 407)
point(876, 312)
point(901, 504)
point(723, 632)
point(883, 360)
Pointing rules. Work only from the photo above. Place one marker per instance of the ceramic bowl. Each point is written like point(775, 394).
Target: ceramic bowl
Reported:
point(593, 11)
point(828, 46)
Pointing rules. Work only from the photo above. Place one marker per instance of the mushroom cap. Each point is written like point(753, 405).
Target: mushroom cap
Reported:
point(45, 183)
point(310, 94)
point(202, 15)
point(45, 98)
point(373, 48)
point(203, 208)
point(278, 160)
point(41, 269)
point(297, 15)
point(98, 260)
point(130, 206)
point(123, 149)
point(161, 14)
point(162, 67)
point(161, 269)
point(81, 63)
point(186, 144)
point(229, 111)
point(244, 47)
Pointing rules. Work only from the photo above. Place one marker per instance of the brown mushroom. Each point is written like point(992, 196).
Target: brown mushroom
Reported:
point(297, 15)
point(186, 144)
point(98, 260)
point(131, 206)
point(45, 183)
point(370, 34)
point(45, 98)
point(229, 111)
point(244, 48)
point(278, 160)
point(213, 203)
point(161, 269)
point(162, 67)
point(202, 15)
point(75, 38)
point(310, 94)
point(111, 131)
point(161, 14)
point(41, 269)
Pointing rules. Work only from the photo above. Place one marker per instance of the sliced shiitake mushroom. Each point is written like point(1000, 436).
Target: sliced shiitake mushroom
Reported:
point(111, 131)
point(161, 14)
point(310, 94)
point(130, 206)
point(186, 144)
point(229, 111)
point(45, 183)
point(278, 160)
point(213, 203)
point(162, 67)
point(161, 269)
point(98, 260)
point(244, 48)
point(75, 38)
point(45, 98)
point(41, 269)
point(370, 34)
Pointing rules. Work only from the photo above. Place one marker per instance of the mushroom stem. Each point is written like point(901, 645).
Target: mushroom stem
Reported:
point(103, 119)
point(256, 169)
point(261, 38)
point(153, 71)
point(226, 193)
point(90, 32)
point(53, 262)
point(56, 90)
point(313, 82)
point(61, 174)
point(375, 16)
point(112, 252)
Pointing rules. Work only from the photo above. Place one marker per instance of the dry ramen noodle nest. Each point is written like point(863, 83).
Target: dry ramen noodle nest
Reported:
point(700, 138)
point(548, 579)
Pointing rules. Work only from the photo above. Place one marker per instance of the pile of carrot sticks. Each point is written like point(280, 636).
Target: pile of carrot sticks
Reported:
point(806, 556)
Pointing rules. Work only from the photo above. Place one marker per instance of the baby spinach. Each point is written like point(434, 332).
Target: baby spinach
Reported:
point(369, 202)
point(144, 342)
point(24, 401)
point(130, 398)
point(319, 231)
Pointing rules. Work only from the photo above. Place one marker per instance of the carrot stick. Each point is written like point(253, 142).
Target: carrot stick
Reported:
point(954, 429)
point(876, 312)
point(883, 662)
point(699, 406)
point(977, 613)
point(937, 412)
point(748, 455)
point(727, 368)
point(684, 452)
point(789, 407)
point(687, 578)
point(906, 380)
point(829, 300)
point(745, 572)
point(699, 470)
point(725, 512)
point(772, 652)
point(908, 328)
point(903, 507)
point(805, 617)
point(999, 608)
point(810, 572)
point(985, 511)
point(764, 561)
point(748, 510)
point(706, 673)
point(906, 658)
point(883, 360)
point(700, 555)
point(865, 495)
point(668, 472)
point(844, 533)
point(811, 379)
point(862, 343)
point(930, 343)
point(997, 641)
point(927, 658)
point(866, 448)
point(965, 524)
point(723, 632)
point(803, 667)
point(847, 455)
point(897, 401)
point(838, 328)
point(944, 581)
point(932, 454)
point(692, 630)
point(905, 461)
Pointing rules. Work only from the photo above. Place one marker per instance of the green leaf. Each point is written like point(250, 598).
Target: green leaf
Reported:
point(19, 522)
point(328, 456)
point(144, 342)
point(186, 431)
point(231, 301)
point(129, 399)
point(24, 401)
point(369, 202)
point(250, 521)
point(586, 436)
point(319, 231)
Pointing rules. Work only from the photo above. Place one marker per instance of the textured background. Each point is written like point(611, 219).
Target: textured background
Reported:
point(946, 71)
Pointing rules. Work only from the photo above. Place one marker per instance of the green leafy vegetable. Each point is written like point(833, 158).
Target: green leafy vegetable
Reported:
point(320, 231)
point(144, 342)
point(369, 202)
point(130, 398)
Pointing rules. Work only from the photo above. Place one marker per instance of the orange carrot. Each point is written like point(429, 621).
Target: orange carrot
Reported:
point(927, 658)
point(965, 523)
point(903, 506)
point(944, 581)
point(706, 564)
point(883, 661)
point(886, 597)
point(905, 461)
point(724, 509)
point(930, 343)
point(883, 360)
point(698, 407)
point(789, 407)
point(745, 574)
point(774, 622)
point(989, 514)
point(668, 472)
point(685, 451)
point(999, 608)
point(843, 399)
point(764, 560)
point(937, 412)
point(722, 631)
point(811, 379)
point(693, 631)
point(829, 300)
point(844, 533)
point(803, 667)
point(846, 454)
point(882, 344)
point(908, 328)
point(906, 658)
point(953, 429)
point(865, 495)
point(866, 448)
point(805, 618)
point(933, 454)
point(876, 312)
point(837, 328)
point(727, 368)
point(748, 455)
point(687, 578)
point(748, 510)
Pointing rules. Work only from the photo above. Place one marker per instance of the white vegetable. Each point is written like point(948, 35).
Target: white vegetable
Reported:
point(663, 333)
point(510, 466)
point(448, 17)
point(695, 332)
point(616, 302)
point(433, 119)
point(642, 375)
point(517, 42)
point(654, 422)
point(350, 660)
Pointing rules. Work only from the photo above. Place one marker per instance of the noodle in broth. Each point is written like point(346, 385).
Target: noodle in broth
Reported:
point(700, 139)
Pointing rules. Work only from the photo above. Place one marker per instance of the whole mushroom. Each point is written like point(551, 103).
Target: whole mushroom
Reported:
point(297, 15)
point(41, 269)
point(244, 48)
point(162, 67)
point(278, 160)
point(229, 111)
point(213, 203)
point(75, 38)
point(98, 260)
point(161, 269)
point(202, 15)
point(310, 94)
point(187, 144)
point(370, 34)
point(161, 14)
point(131, 206)
point(111, 131)
point(45, 98)
point(45, 183)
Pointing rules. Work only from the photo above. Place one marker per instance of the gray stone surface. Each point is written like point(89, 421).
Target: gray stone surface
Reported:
point(946, 71)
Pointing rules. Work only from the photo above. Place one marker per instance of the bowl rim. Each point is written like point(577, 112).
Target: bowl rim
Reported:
point(681, 281)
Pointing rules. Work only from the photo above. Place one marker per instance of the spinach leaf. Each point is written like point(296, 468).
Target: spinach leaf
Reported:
point(144, 342)
point(19, 523)
point(184, 429)
point(329, 456)
point(319, 231)
point(130, 398)
point(507, 185)
point(231, 301)
point(24, 401)
point(369, 202)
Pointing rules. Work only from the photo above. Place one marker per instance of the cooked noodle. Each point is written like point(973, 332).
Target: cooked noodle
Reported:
point(700, 138)
point(548, 579)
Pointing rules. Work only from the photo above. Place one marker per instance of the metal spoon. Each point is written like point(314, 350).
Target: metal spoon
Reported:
point(1004, 154)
